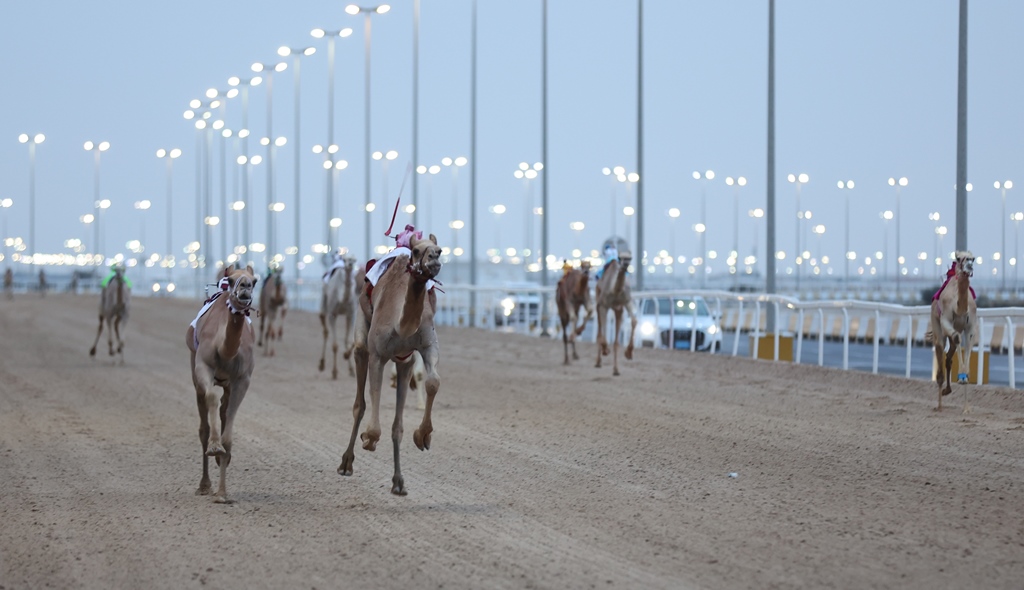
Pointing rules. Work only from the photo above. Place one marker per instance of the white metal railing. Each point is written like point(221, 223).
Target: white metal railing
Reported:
point(890, 323)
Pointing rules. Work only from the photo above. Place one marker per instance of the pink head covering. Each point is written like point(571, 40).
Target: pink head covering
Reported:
point(402, 239)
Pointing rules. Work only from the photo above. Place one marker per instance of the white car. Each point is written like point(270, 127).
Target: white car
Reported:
point(671, 323)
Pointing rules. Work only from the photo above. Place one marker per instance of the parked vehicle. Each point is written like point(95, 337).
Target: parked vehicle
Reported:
point(679, 323)
point(520, 304)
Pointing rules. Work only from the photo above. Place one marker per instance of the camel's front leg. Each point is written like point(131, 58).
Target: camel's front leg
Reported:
point(565, 342)
point(204, 438)
point(358, 408)
point(632, 329)
point(347, 343)
point(615, 341)
point(602, 346)
point(965, 360)
point(570, 326)
point(403, 372)
point(375, 371)
point(233, 396)
point(110, 336)
point(99, 330)
point(589, 308)
point(117, 334)
point(334, 346)
point(430, 355)
point(940, 364)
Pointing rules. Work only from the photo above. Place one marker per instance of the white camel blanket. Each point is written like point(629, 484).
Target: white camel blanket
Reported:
point(375, 273)
point(339, 263)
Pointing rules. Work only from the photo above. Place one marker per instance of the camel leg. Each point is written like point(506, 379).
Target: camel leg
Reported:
point(940, 364)
point(632, 329)
point(347, 343)
point(571, 327)
point(262, 314)
point(92, 351)
point(358, 409)
point(421, 436)
point(375, 373)
point(589, 308)
point(965, 360)
point(233, 396)
point(565, 344)
point(615, 341)
point(334, 345)
point(117, 333)
point(404, 370)
point(948, 389)
point(323, 351)
point(602, 346)
point(110, 336)
point(204, 436)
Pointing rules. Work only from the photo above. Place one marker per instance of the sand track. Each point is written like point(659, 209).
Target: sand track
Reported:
point(539, 475)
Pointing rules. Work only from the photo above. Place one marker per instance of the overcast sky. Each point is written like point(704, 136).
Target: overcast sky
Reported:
point(865, 91)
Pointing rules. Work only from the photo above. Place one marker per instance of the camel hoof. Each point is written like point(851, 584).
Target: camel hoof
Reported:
point(370, 444)
point(566, 362)
point(398, 486)
point(947, 391)
point(966, 411)
point(92, 351)
point(575, 357)
point(216, 450)
point(219, 499)
point(346, 464)
point(204, 489)
point(421, 440)
point(346, 354)
point(629, 353)
point(322, 365)
point(615, 373)
point(334, 374)
point(111, 352)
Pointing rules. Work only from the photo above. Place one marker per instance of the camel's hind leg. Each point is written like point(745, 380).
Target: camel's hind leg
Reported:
point(375, 373)
point(205, 417)
point(99, 330)
point(233, 396)
point(334, 346)
point(940, 368)
point(602, 345)
point(110, 336)
point(323, 351)
point(347, 343)
point(565, 343)
point(431, 382)
point(632, 330)
point(965, 360)
point(358, 409)
point(404, 371)
point(117, 333)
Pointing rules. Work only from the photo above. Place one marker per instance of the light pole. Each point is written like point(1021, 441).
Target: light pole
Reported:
point(818, 230)
point(578, 227)
point(799, 180)
point(708, 175)
point(673, 215)
point(755, 214)
point(498, 211)
point(456, 225)
point(249, 164)
point(271, 145)
point(384, 158)
point(100, 206)
point(335, 221)
point(6, 203)
point(297, 53)
point(96, 149)
point(1006, 184)
point(613, 174)
point(1016, 217)
point(846, 187)
point(454, 164)
point(368, 11)
point(886, 217)
point(236, 252)
point(934, 216)
point(169, 156)
point(736, 184)
point(331, 37)
point(142, 206)
point(243, 134)
point(38, 138)
point(269, 70)
point(527, 173)
point(902, 182)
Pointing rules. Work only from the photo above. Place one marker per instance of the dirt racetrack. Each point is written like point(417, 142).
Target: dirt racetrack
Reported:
point(539, 475)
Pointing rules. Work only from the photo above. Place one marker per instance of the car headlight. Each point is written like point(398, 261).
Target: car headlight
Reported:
point(713, 329)
point(647, 328)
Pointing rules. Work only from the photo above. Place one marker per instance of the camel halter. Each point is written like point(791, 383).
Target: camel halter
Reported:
point(225, 287)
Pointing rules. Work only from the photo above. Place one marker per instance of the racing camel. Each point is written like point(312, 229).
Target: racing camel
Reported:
point(613, 293)
point(955, 322)
point(220, 342)
point(572, 292)
point(396, 318)
point(273, 301)
point(115, 303)
point(337, 300)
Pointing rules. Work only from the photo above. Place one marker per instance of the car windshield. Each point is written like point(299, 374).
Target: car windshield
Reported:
point(682, 306)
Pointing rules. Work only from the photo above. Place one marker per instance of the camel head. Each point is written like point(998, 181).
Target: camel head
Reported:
point(965, 263)
point(241, 284)
point(585, 266)
point(625, 259)
point(425, 262)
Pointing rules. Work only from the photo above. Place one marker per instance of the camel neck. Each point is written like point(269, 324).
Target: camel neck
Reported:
point(232, 332)
point(120, 291)
point(412, 310)
point(620, 277)
point(963, 292)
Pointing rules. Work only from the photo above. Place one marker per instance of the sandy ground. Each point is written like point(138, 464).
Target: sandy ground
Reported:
point(539, 475)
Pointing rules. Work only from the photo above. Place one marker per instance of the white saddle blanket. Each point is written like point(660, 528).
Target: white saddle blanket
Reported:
point(385, 261)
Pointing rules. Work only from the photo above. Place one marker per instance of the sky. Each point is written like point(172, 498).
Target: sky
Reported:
point(865, 91)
